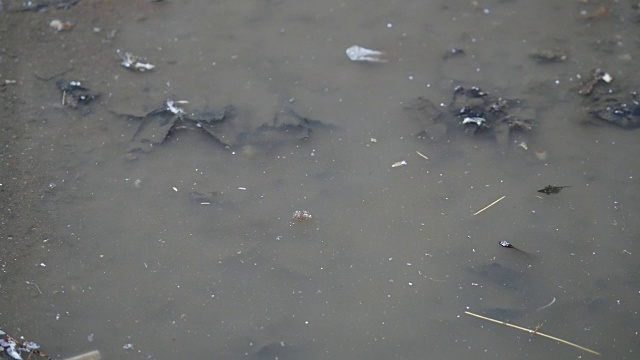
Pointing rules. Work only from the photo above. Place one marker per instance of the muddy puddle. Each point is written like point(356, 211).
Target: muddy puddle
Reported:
point(187, 247)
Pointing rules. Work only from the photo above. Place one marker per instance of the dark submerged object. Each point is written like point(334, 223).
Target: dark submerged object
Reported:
point(474, 111)
point(286, 126)
point(158, 124)
point(74, 94)
point(616, 112)
point(550, 189)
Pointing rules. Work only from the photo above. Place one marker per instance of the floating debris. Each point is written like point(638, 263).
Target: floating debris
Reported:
point(300, 216)
point(74, 93)
point(358, 53)
point(422, 155)
point(597, 75)
point(58, 25)
point(480, 122)
point(475, 111)
point(508, 245)
point(133, 62)
point(13, 347)
point(616, 112)
point(286, 126)
point(550, 189)
point(157, 125)
point(534, 332)
point(398, 164)
point(490, 205)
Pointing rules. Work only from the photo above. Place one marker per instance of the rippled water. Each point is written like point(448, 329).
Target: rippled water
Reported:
point(122, 253)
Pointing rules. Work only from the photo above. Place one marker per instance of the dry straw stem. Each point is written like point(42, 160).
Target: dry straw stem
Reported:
point(488, 206)
point(533, 332)
point(422, 155)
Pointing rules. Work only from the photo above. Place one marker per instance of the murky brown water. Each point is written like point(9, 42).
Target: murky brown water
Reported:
point(95, 245)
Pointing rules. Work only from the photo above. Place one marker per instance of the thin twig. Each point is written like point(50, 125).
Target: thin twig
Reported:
point(488, 206)
point(422, 155)
point(533, 332)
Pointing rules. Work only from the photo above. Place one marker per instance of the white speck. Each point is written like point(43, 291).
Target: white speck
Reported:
point(57, 316)
point(410, 77)
point(43, 264)
point(90, 337)
point(374, 140)
point(175, 188)
point(128, 346)
point(242, 188)
point(389, 25)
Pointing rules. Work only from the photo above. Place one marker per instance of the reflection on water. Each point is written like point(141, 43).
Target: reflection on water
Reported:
point(392, 256)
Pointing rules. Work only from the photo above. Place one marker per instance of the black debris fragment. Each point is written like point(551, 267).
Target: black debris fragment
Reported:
point(607, 103)
point(625, 114)
point(550, 189)
point(74, 93)
point(474, 110)
point(286, 126)
point(158, 124)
